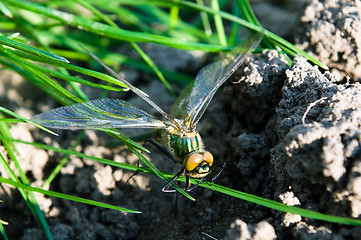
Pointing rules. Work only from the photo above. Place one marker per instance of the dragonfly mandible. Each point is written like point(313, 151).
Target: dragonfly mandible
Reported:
point(179, 135)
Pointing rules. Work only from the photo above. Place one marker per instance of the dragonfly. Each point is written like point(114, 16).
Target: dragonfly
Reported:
point(179, 139)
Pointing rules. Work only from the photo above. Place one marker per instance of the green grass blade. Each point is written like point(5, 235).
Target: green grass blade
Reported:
point(159, 174)
point(285, 45)
point(152, 65)
point(219, 24)
point(174, 17)
point(94, 74)
point(154, 170)
point(145, 57)
point(2, 109)
point(96, 12)
point(179, 78)
point(281, 207)
point(29, 197)
point(40, 77)
point(228, 191)
point(11, 120)
point(37, 52)
point(68, 78)
point(33, 79)
point(150, 166)
point(2, 223)
point(118, 135)
point(5, 11)
point(63, 161)
point(109, 31)
point(205, 20)
point(81, 155)
point(65, 196)
point(184, 30)
point(248, 12)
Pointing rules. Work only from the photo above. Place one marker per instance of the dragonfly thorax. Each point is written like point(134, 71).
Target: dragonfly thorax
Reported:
point(181, 144)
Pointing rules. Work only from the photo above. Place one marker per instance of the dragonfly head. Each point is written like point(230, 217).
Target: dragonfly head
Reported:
point(198, 164)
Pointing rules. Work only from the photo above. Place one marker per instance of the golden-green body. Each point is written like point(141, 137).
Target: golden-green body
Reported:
point(182, 144)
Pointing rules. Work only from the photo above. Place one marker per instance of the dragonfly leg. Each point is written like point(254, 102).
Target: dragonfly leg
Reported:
point(135, 173)
point(223, 164)
point(138, 163)
point(194, 186)
point(165, 188)
point(160, 148)
point(220, 171)
point(170, 156)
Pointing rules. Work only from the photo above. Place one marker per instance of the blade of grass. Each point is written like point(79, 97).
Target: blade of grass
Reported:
point(228, 191)
point(30, 30)
point(11, 120)
point(64, 196)
point(152, 65)
point(155, 171)
point(145, 57)
point(219, 24)
point(185, 31)
point(66, 77)
point(39, 75)
point(96, 12)
point(285, 45)
point(69, 79)
point(2, 229)
point(25, 120)
point(151, 168)
point(81, 155)
point(248, 12)
point(31, 50)
point(174, 17)
point(273, 204)
point(29, 197)
point(118, 135)
point(84, 71)
point(63, 161)
point(205, 20)
point(6, 11)
point(128, 17)
point(281, 207)
point(234, 37)
point(269, 43)
point(180, 79)
point(111, 32)
point(33, 79)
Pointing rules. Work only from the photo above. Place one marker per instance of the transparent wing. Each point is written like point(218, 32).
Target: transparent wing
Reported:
point(140, 93)
point(99, 113)
point(194, 100)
